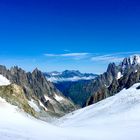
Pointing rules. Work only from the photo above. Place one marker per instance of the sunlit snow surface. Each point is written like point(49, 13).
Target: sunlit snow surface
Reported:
point(4, 81)
point(115, 118)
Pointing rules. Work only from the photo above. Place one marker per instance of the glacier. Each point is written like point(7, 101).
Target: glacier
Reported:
point(117, 117)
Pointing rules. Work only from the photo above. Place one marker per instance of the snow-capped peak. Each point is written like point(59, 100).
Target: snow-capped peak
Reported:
point(132, 60)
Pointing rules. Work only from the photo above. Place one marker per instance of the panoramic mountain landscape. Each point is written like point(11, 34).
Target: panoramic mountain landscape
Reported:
point(30, 99)
point(69, 70)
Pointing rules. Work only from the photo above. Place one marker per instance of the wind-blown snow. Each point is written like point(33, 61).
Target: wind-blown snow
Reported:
point(115, 118)
point(4, 81)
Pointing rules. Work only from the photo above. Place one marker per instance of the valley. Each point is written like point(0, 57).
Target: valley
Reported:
point(33, 108)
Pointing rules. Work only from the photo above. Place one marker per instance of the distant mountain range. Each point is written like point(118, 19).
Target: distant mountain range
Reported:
point(68, 75)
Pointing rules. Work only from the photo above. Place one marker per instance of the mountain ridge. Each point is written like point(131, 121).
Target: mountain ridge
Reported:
point(37, 88)
point(68, 75)
point(116, 78)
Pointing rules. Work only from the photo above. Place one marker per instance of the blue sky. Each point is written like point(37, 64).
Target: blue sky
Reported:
point(68, 34)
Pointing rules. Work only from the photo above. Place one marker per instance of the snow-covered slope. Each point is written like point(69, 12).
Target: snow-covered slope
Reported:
point(4, 81)
point(115, 118)
point(122, 107)
point(16, 125)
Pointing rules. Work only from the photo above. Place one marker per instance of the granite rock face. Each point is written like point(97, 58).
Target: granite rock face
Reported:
point(115, 79)
point(35, 86)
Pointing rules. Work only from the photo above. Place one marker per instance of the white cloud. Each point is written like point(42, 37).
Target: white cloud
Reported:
point(69, 55)
point(114, 57)
point(107, 58)
point(74, 54)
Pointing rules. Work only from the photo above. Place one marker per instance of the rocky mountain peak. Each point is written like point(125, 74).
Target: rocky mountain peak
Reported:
point(111, 68)
point(71, 73)
point(36, 87)
point(16, 69)
point(136, 60)
point(130, 62)
point(2, 67)
point(128, 73)
point(36, 70)
point(37, 73)
point(3, 70)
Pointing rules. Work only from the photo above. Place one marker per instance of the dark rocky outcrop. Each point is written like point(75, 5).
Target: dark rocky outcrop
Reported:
point(35, 86)
point(109, 83)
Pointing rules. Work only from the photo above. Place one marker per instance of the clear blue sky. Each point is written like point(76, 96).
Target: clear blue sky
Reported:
point(68, 34)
